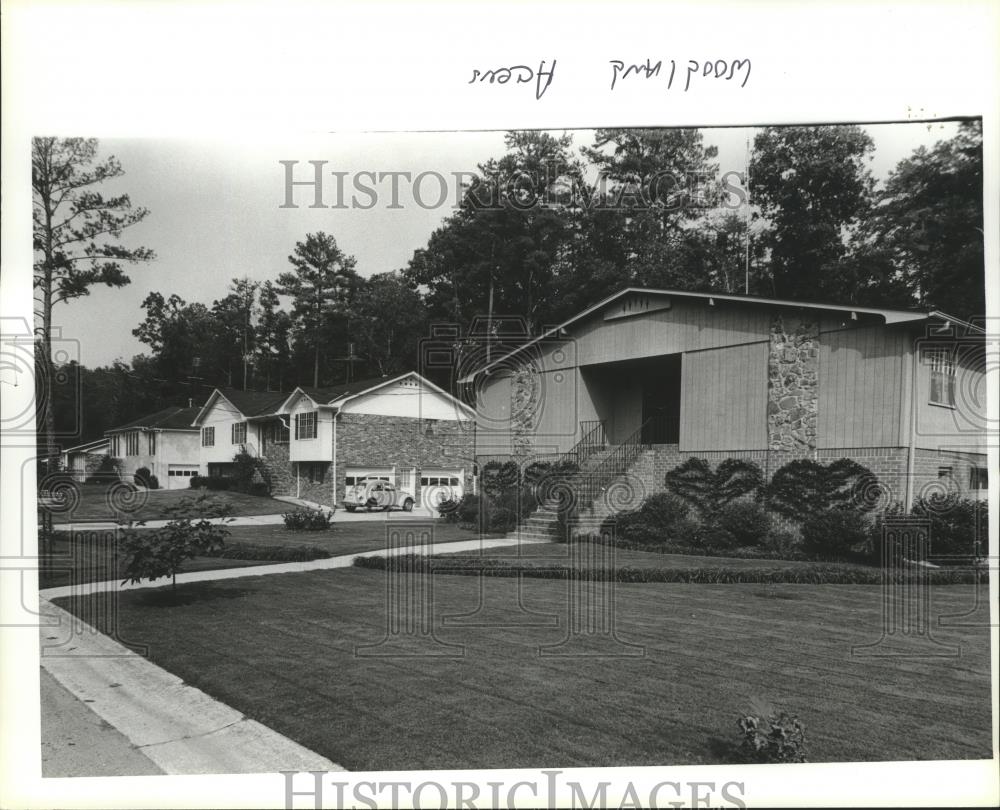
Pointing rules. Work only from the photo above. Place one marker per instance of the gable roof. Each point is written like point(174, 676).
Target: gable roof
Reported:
point(86, 446)
point(889, 316)
point(249, 403)
point(172, 418)
point(337, 395)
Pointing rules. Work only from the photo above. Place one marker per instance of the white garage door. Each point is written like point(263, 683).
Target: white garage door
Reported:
point(352, 475)
point(440, 485)
point(179, 475)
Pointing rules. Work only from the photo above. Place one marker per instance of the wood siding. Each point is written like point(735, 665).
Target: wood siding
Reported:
point(686, 326)
point(861, 379)
point(724, 398)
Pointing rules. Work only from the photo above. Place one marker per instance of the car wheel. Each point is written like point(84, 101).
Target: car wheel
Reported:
point(349, 508)
point(408, 505)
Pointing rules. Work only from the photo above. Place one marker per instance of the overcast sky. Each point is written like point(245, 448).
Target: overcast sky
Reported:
point(215, 210)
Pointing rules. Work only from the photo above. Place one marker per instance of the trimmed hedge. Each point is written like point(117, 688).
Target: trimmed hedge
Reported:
point(238, 551)
point(827, 574)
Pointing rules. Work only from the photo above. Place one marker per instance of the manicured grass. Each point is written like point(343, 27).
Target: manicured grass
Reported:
point(346, 538)
point(282, 650)
point(90, 552)
point(93, 504)
point(90, 556)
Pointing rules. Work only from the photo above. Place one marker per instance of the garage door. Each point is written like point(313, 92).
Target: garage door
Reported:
point(179, 475)
point(352, 475)
point(440, 485)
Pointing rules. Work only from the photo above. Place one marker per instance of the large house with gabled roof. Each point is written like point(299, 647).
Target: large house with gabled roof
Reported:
point(656, 376)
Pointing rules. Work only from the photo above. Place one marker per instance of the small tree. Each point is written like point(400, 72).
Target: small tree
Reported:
point(190, 532)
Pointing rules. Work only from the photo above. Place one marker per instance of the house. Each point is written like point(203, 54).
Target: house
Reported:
point(316, 442)
point(230, 420)
point(164, 442)
point(83, 460)
point(680, 374)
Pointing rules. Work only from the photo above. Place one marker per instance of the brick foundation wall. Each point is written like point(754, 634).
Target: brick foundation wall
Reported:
point(280, 469)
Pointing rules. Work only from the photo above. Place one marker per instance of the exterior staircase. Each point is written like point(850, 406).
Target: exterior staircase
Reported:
point(608, 479)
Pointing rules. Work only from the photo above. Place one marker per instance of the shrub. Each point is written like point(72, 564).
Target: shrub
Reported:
point(782, 544)
point(502, 519)
point(767, 736)
point(308, 520)
point(250, 473)
point(212, 482)
point(141, 477)
point(804, 487)
point(661, 517)
point(448, 509)
point(835, 533)
point(241, 551)
point(499, 476)
point(108, 468)
point(956, 524)
point(747, 522)
point(154, 482)
point(468, 512)
point(709, 491)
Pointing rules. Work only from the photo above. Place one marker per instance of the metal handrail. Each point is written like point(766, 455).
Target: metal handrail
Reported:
point(589, 484)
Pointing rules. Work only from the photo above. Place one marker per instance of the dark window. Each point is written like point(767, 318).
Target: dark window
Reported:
point(978, 478)
point(151, 442)
point(208, 437)
point(944, 472)
point(132, 443)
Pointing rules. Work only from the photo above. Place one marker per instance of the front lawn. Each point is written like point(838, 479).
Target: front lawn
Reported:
point(281, 649)
point(93, 504)
point(89, 555)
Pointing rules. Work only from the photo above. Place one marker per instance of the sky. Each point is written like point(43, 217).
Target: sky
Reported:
point(215, 210)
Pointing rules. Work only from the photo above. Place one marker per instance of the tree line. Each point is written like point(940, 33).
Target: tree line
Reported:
point(546, 230)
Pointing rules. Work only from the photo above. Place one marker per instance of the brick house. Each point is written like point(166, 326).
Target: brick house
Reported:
point(164, 442)
point(316, 442)
point(403, 429)
point(678, 374)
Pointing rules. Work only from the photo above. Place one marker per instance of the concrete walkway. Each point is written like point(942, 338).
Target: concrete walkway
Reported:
point(178, 728)
point(153, 715)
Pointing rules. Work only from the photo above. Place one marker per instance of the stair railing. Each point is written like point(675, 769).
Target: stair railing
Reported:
point(589, 484)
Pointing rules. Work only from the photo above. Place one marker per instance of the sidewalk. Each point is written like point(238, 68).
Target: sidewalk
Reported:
point(149, 721)
point(177, 728)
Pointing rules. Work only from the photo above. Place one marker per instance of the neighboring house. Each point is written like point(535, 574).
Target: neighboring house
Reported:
point(403, 429)
point(684, 374)
point(164, 442)
point(230, 420)
point(83, 460)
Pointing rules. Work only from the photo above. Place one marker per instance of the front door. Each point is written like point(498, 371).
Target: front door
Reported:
point(661, 401)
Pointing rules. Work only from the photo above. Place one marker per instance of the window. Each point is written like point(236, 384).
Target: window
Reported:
point(978, 478)
point(208, 437)
point(132, 443)
point(942, 364)
point(151, 443)
point(239, 433)
point(305, 425)
point(115, 446)
point(944, 472)
point(316, 473)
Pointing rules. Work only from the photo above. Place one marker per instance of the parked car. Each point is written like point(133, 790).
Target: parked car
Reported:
point(374, 493)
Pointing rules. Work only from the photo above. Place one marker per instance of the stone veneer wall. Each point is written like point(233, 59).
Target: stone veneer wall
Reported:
point(792, 384)
point(523, 409)
point(280, 469)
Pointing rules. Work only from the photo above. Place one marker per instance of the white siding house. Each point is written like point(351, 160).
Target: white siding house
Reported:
point(164, 442)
